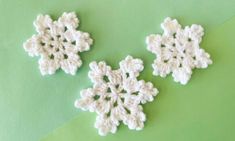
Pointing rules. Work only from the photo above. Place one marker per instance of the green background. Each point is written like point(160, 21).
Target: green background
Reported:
point(33, 107)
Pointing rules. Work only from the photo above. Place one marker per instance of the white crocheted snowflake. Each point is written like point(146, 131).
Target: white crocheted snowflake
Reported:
point(178, 50)
point(58, 43)
point(116, 95)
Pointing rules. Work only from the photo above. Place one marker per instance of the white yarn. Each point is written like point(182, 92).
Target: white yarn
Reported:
point(58, 43)
point(177, 50)
point(116, 95)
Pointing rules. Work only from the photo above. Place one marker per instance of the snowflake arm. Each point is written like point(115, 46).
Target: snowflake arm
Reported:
point(42, 23)
point(131, 66)
point(147, 91)
point(170, 26)
point(69, 20)
point(177, 50)
point(33, 46)
point(105, 124)
point(117, 95)
point(99, 72)
point(58, 43)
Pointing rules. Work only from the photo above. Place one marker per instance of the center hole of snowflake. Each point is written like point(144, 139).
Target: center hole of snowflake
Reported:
point(123, 91)
point(127, 110)
point(51, 56)
point(135, 93)
point(108, 114)
point(107, 98)
point(65, 28)
point(117, 86)
point(42, 43)
point(51, 46)
point(189, 39)
point(115, 104)
point(65, 56)
point(73, 42)
point(122, 99)
point(109, 90)
point(105, 78)
point(58, 36)
point(174, 35)
point(96, 97)
point(65, 40)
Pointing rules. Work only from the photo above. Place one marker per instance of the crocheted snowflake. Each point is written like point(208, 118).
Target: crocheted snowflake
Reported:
point(58, 43)
point(116, 95)
point(178, 50)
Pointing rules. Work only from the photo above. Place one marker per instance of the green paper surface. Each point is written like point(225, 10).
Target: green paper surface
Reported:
point(201, 110)
point(33, 107)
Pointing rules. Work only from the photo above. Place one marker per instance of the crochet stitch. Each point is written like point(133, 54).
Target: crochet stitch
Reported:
point(177, 50)
point(116, 95)
point(58, 43)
